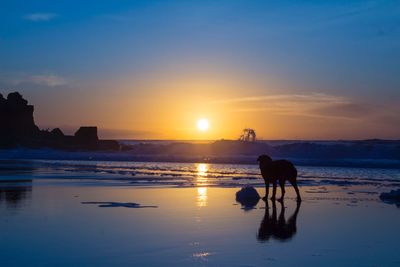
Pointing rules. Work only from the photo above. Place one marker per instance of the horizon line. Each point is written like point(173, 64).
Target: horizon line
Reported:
point(226, 139)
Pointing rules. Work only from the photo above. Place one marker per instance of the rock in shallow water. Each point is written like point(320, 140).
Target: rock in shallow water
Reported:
point(248, 197)
point(247, 192)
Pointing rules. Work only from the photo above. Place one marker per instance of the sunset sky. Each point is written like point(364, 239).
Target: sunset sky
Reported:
point(152, 69)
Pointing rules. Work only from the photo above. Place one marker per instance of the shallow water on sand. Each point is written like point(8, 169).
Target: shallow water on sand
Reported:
point(188, 174)
point(45, 223)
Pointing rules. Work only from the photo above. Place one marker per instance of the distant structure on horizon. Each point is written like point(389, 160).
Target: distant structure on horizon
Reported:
point(248, 135)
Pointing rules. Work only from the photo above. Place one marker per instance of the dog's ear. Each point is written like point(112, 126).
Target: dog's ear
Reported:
point(264, 158)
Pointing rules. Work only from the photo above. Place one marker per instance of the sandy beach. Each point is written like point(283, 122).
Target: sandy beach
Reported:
point(48, 222)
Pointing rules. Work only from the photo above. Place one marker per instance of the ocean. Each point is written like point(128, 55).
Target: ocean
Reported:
point(188, 174)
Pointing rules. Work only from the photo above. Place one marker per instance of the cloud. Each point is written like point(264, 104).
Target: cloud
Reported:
point(345, 110)
point(312, 97)
point(48, 80)
point(315, 105)
point(24, 79)
point(40, 16)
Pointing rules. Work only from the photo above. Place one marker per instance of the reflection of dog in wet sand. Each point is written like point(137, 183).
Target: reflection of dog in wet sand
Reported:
point(274, 171)
point(277, 228)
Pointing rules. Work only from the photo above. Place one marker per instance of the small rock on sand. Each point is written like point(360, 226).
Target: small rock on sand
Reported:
point(248, 197)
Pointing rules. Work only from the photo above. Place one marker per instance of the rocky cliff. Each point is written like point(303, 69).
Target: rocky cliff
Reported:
point(16, 120)
point(17, 128)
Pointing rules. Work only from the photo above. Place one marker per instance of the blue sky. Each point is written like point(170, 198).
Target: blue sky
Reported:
point(62, 50)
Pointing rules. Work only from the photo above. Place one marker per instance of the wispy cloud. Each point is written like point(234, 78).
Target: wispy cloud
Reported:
point(48, 80)
point(311, 97)
point(40, 16)
point(24, 79)
point(306, 105)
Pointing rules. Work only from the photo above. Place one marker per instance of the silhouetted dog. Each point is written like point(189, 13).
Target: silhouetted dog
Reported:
point(278, 170)
point(277, 228)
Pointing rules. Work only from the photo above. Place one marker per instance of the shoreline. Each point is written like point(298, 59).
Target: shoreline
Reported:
point(188, 174)
point(52, 154)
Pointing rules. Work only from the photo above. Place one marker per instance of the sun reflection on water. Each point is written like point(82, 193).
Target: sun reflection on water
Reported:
point(202, 172)
point(201, 199)
point(202, 169)
point(201, 181)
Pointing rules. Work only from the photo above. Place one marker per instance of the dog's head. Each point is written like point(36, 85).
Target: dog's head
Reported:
point(264, 159)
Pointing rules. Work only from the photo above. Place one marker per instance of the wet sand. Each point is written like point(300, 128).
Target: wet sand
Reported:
point(48, 223)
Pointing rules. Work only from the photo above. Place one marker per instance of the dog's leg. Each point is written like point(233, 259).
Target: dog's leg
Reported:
point(297, 191)
point(273, 190)
point(282, 185)
point(266, 189)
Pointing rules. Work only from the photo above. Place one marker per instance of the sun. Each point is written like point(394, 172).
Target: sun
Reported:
point(202, 125)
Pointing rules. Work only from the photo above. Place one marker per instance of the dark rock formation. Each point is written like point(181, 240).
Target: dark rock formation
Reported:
point(57, 133)
point(17, 128)
point(87, 134)
point(87, 137)
point(16, 120)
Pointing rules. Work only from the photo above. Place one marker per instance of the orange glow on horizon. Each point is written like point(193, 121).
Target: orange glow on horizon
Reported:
point(169, 108)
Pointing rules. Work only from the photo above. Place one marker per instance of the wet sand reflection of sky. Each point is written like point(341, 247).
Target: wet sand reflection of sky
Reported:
point(180, 233)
